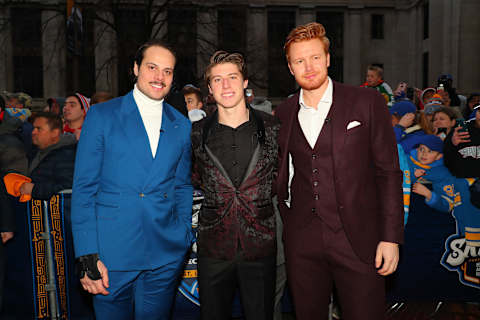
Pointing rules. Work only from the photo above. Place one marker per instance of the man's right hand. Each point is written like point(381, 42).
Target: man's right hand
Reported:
point(460, 136)
point(97, 286)
point(7, 235)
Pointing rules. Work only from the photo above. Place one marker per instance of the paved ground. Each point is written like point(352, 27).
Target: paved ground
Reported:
point(425, 311)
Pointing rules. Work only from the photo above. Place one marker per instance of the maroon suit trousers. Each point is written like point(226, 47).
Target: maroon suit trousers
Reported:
point(318, 259)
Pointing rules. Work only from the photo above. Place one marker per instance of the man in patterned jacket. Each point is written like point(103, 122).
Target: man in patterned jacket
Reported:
point(235, 161)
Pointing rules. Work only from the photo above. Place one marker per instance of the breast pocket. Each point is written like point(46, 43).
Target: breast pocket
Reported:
point(107, 204)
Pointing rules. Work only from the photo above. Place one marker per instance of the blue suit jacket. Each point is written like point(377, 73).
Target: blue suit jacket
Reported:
point(132, 209)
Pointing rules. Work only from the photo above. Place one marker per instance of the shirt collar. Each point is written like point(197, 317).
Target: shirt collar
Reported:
point(327, 97)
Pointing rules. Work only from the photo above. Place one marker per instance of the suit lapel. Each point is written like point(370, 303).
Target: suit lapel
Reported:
point(218, 164)
point(253, 161)
point(284, 138)
point(167, 132)
point(340, 116)
point(136, 136)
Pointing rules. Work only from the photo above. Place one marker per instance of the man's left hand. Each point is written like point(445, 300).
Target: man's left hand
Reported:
point(387, 252)
point(26, 188)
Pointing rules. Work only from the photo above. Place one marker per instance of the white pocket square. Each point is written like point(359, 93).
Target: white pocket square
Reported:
point(353, 124)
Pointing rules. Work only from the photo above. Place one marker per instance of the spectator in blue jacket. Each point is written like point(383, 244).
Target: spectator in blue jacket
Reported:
point(449, 194)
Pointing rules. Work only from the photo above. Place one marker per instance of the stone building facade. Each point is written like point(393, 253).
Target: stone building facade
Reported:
point(414, 40)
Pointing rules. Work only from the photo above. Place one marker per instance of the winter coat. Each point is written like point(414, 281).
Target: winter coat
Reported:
point(450, 194)
point(51, 169)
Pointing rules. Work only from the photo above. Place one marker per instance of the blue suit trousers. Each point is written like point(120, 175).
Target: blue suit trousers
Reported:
point(145, 294)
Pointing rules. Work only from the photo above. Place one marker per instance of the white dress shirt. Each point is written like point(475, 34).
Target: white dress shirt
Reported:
point(311, 121)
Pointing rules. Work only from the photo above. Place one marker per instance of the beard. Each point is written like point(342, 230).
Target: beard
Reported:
point(313, 84)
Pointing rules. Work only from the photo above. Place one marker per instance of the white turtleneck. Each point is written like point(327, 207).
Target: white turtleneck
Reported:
point(151, 113)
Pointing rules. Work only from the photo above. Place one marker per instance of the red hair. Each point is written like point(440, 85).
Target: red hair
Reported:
point(312, 30)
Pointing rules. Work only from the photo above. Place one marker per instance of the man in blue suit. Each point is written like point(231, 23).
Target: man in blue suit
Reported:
point(132, 195)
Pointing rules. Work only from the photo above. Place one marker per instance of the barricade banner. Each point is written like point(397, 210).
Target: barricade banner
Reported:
point(436, 262)
point(41, 224)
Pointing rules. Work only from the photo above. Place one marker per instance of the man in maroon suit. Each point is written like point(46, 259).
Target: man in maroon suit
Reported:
point(339, 187)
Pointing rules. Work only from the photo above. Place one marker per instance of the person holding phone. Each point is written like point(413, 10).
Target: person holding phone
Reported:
point(462, 147)
point(444, 120)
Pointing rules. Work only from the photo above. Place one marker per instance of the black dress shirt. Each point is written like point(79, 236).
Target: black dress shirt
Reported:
point(234, 147)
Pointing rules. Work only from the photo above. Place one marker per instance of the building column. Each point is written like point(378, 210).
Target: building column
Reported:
point(353, 72)
point(53, 54)
point(105, 55)
point(6, 51)
point(207, 37)
point(257, 48)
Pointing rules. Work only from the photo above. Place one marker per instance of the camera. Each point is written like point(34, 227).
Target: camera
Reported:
point(410, 93)
point(444, 81)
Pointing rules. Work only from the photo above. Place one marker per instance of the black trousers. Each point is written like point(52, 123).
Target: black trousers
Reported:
point(219, 279)
point(7, 223)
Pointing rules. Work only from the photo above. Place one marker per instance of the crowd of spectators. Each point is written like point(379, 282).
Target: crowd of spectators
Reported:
point(42, 145)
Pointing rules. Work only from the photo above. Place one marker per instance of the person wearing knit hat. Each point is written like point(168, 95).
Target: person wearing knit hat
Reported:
point(74, 110)
point(403, 107)
point(426, 95)
point(434, 103)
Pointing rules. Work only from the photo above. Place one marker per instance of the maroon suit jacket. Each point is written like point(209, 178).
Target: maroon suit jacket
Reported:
point(368, 180)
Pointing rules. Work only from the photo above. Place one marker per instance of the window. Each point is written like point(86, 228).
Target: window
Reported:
point(377, 26)
point(232, 30)
point(426, 18)
point(333, 23)
point(425, 70)
point(130, 35)
point(81, 57)
point(281, 83)
point(27, 51)
point(182, 36)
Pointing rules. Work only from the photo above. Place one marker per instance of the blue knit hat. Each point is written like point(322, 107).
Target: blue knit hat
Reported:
point(403, 107)
point(431, 141)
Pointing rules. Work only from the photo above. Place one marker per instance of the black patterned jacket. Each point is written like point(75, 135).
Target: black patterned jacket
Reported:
point(234, 219)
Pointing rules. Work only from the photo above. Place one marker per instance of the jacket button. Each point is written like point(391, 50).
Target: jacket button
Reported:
point(315, 170)
point(165, 195)
point(313, 210)
point(316, 197)
point(314, 156)
point(315, 183)
point(142, 195)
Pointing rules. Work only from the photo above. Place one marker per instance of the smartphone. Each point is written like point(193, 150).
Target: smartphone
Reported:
point(410, 93)
point(442, 130)
point(463, 125)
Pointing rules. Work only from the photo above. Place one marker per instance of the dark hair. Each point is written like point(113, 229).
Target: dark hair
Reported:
point(100, 96)
point(220, 57)
point(2, 104)
point(71, 94)
point(447, 110)
point(196, 91)
point(53, 120)
point(152, 43)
